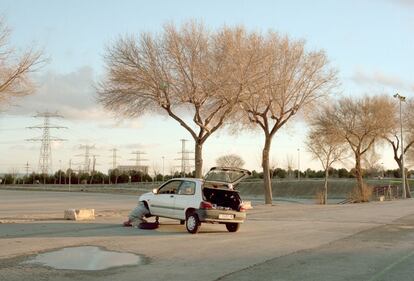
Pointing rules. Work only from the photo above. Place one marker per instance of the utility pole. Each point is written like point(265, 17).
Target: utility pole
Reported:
point(70, 172)
point(163, 168)
point(402, 99)
point(60, 171)
point(45, 158)
point(298, 164)
point(26, 167)
point(114, 163)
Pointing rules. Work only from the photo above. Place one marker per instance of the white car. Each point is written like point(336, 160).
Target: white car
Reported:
point(193, 201)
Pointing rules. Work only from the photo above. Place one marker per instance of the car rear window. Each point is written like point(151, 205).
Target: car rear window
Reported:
point(223, 176)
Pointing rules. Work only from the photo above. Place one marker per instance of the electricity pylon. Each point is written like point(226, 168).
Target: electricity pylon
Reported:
point(138, 159)
point(87, 160)
point(185, 158)
point(45, 158)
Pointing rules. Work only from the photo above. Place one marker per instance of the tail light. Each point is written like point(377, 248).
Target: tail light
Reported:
point(206, 205)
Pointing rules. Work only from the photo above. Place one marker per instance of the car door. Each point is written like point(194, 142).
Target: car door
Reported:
point(184, 198)
point(162, 204)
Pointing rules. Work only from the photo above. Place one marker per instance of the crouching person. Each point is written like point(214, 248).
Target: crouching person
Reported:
point(137, 215)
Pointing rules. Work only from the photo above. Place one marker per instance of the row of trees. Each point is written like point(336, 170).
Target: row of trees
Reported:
point(72, 177)
point(205, 79)
point(280, 173)
point(353, 127)
point(61, 177)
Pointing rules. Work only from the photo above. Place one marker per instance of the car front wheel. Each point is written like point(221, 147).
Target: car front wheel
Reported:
point(232, 227)
point(192, 223)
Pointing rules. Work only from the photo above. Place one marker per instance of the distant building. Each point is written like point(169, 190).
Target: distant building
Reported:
point(126, 168)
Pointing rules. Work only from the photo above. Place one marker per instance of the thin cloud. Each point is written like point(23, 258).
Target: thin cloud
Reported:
point(404, 2)
point(379, 78)
point(73, 95)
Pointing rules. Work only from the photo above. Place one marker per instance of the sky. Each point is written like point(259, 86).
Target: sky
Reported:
point(370, 43)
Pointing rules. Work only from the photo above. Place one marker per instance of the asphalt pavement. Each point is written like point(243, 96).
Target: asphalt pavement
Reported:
point(286, 241)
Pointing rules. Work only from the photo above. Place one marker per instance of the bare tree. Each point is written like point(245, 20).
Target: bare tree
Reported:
point(230, 160)
point(16, 68)
point(194, 75)
point(393, 137)
point(359, 122)
point(293, 79)
point(328, 149)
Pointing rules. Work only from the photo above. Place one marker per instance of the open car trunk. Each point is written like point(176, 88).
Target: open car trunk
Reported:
point(225, 177)
point(222, 199)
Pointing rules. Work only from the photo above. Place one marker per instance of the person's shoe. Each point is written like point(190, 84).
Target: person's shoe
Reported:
point(127, 223)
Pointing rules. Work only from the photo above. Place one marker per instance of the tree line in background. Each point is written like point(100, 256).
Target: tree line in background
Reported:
point(116, 177)
point(72, 177)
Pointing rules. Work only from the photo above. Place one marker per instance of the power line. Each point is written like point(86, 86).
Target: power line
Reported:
point(45, 158)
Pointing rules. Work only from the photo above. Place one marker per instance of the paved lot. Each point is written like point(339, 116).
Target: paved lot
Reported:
point(373, 241)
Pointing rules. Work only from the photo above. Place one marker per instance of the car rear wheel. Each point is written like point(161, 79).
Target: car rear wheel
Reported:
point(192, 223)
point(232, 227)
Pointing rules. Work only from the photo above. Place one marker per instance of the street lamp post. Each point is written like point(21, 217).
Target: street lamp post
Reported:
point(163, 168)
point(401, 99)
point(60, 171)
point(298, 164)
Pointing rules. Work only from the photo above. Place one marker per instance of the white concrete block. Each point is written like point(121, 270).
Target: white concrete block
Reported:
point(79, 214)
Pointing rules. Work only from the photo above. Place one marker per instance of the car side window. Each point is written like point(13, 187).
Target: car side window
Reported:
point(187, 188)
point(170, 188)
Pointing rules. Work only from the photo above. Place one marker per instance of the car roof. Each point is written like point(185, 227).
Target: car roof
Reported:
point(187, 179)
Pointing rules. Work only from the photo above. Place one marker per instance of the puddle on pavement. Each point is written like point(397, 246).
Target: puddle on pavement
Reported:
point(85, 258)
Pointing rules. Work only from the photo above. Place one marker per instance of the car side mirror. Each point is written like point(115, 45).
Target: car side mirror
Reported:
point(155, 190)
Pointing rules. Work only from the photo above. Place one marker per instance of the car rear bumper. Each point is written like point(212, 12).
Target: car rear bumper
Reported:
point(216, 216)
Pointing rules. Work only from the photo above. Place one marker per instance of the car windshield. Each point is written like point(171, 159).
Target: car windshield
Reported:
point(226, 176)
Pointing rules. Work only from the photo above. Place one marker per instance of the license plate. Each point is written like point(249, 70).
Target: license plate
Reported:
point(226, 217)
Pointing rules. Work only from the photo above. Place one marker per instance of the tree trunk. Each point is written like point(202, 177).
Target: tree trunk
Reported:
point(407, 185)
point(358, 174)
point(198, 159)
point(266, 171)
point(325, 190)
